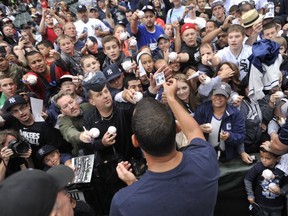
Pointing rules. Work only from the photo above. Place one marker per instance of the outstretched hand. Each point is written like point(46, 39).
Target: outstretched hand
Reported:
point(125, 172)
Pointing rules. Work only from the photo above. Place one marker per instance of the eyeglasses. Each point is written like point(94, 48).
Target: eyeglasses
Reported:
point(20, 110)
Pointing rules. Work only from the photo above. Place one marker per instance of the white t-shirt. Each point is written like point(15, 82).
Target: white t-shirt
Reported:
point(241, 60)
point(176, 15)
point(91, 25)
point(213, 136)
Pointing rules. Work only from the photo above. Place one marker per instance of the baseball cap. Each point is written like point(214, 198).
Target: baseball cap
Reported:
point(94, 82)
point(93, 8)
point(45, 150)
point(111, 72)
point(187, 26)
point(164, 36)
point(216, 3)
point(65, 78)
point(222, 89)
point(33, 192)
point(148, 8)
point(268, 15)
point(81, 8)
point(12, 101)
point(250, 18)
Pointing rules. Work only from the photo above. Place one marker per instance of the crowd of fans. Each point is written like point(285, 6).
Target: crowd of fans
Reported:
point(91, 62)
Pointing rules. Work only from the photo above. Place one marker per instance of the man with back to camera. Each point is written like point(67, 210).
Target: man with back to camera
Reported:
point(190, 176)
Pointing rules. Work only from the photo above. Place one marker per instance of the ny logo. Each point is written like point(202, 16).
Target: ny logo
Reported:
point(223, 87)
point(12, 100)
point(109, 72)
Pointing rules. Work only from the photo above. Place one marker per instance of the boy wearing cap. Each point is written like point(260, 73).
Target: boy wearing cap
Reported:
point(222, 124)
point(164, 48)
point(21, 119)
point(148, 33)
point(50, 156)
point(218, 11)
point(189, 54)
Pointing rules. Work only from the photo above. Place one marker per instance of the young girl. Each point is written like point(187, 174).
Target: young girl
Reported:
point(146, 66)
point(123, 43)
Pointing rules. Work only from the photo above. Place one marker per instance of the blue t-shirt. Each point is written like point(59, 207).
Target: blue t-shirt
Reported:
point(189, 189)
point(145, 38)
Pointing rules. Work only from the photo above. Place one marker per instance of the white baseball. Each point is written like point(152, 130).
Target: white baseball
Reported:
point(207, 80)
point(173, 56)
point(141, 14)
point(267, 174)
point(208, 125)
point(112, 130)
point(123, 36)
point(272, 185)
point(138, 96)
point(94, 132)
point(235, 98)
point(133, 42)
point(281, 121)
point(32, 79)
point(90, 43)
point(280, 94)
point(126, 65)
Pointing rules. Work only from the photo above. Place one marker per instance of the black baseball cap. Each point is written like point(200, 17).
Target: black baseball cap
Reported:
point(81, 8)
point(33, 192)
point(12, 101)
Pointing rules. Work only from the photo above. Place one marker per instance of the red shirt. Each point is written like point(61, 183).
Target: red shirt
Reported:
point(39, 88)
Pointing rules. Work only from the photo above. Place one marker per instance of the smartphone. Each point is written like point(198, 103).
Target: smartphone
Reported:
point(85, 30)
point(190, 7)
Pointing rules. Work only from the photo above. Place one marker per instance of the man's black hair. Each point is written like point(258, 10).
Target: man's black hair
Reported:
point(154, 127)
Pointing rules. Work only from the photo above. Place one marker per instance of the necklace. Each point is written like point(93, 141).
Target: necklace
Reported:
point(107, 118)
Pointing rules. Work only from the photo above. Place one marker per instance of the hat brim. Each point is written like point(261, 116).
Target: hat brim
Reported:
point(221, 92)
point(8, 108)
point(63, 175)
point(260, 18)
point(114, 76)
point(153, 11)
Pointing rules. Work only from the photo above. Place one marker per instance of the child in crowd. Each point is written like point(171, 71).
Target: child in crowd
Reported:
point(71, 56)
point(50, 157)
point(89, 65)
point(269, 30)
point(44, 48)
point(264, 186)
point(119, 29)
point(164, 48)
point(112, 49)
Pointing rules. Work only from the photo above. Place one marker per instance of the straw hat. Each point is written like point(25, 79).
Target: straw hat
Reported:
point(250, 18)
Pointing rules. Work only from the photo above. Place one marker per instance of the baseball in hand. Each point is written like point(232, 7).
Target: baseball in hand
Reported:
point(94, 132)
point(112, 130)
point(32, 79)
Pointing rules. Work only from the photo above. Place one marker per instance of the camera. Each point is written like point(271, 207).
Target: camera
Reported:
point(19, 147)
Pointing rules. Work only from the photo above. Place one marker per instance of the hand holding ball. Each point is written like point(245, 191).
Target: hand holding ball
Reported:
point(94, 132)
